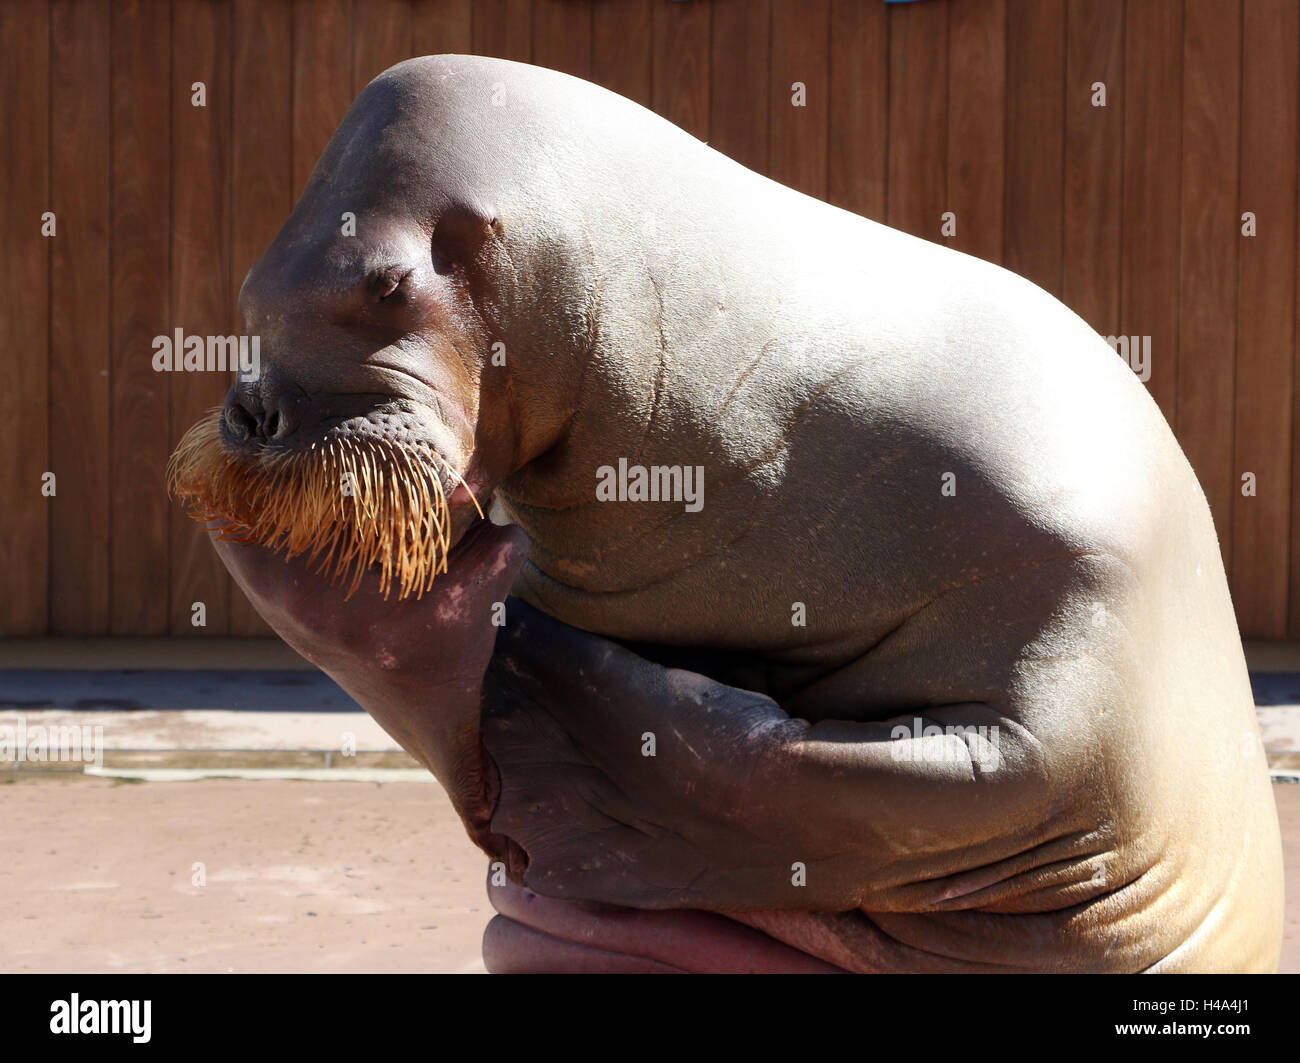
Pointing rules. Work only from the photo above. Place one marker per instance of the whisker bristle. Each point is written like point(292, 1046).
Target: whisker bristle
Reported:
point(396, 517)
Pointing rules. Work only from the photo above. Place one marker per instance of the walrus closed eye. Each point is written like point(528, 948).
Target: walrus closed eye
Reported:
point(348, 502)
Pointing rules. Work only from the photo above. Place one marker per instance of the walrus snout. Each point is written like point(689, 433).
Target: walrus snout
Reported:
point(355, 492)
point(249, 420)
point(266, 418)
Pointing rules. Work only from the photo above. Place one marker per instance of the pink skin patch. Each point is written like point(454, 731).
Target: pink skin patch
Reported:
point(533, 933)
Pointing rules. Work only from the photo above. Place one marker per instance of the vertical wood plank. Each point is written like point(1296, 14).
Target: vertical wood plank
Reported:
point(1211, 235)
point(681, 79)
point(918, 118)
point(1266, 287)
point(24, 328)
point(1153, 85)
point(858, 156)
point(322, 83)
point(1094, 161)
point(1293, 619)
point(201, 296)
point(740, 69)
point(800, 54)
point(562, 36)
point(261, 190)
point(1035, 140)
point(442, 27)
point(977, 102)
point(622, 47)
point(141, 309)
point(79, 317)
point(504, 29)
point(381, 36)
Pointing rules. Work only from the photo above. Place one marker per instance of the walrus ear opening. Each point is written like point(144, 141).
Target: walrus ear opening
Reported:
point(461, 234)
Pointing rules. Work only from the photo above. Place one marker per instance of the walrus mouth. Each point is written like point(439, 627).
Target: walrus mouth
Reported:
point(349, 503)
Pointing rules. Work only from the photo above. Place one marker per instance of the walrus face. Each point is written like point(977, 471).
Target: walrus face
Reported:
point(353, 446)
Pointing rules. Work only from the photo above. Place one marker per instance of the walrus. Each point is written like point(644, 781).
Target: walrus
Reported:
point(935, 669)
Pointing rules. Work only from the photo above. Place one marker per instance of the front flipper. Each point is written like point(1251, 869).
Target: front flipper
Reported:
point(415, 665)
point(631, 784)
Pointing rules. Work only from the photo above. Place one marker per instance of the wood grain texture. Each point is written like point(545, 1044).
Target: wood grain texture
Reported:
point(140, 437)
point(1035, 131)
point(1293, 547)
point(1211, 236)
point(918, 118)
point(740, 72)
point(1153, 88)
point(322, 79)
point(622, 47)
point(1094, 162)
point(382, 35)
point(442, 27)
point(977, 107)
point(24, 328)
point(562, 36)
point(800, 57)
point(1266, 284)
point(681, 78)
point(79, 341)
point(504, 29)
point(857, 161)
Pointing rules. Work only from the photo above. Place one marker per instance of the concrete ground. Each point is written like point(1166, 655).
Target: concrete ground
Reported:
point(98, 876)
point(1288, 810)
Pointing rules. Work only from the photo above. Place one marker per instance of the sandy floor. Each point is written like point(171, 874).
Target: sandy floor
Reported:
point(1288, 810)
point(301, 876)
point(311, 877)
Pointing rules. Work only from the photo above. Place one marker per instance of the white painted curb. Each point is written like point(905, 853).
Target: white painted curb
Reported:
point(303, 774)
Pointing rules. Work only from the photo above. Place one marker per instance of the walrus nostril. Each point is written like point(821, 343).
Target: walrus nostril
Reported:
point(250, 420)
point(241, 423)
point(283, 419)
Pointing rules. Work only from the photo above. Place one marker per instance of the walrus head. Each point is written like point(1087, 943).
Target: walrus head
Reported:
point(353, 457)
point(379, 420)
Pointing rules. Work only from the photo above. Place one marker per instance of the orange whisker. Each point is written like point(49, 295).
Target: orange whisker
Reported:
point(347, 503)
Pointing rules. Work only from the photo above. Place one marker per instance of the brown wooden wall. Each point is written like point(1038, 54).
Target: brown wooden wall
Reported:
point(1131, 213)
